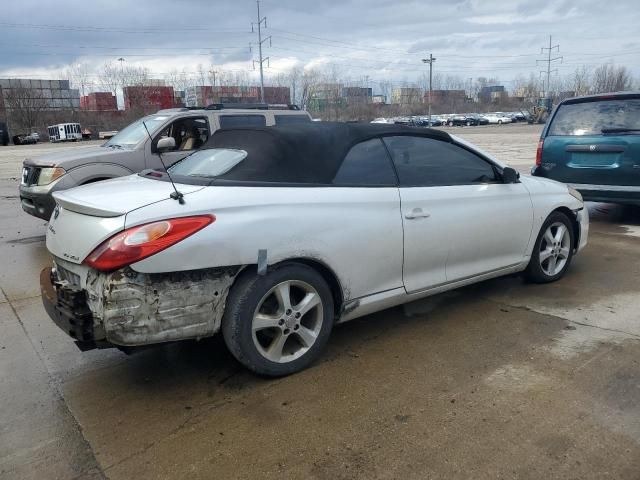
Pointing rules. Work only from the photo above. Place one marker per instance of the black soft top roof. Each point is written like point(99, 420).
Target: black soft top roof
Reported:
point(301, 153)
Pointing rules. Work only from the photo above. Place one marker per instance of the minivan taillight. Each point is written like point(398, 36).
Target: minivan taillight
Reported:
point(539, 152)
point(137, 243)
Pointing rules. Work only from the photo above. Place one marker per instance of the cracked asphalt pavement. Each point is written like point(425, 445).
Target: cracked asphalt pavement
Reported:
point(502, 379)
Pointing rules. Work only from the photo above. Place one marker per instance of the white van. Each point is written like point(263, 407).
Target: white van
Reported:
point(65, 132)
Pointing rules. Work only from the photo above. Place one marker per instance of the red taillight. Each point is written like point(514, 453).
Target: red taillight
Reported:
point(137, 243)
point(539, 152)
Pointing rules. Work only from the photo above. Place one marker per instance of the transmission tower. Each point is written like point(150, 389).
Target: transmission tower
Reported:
point(549, 61)
point(259, 24)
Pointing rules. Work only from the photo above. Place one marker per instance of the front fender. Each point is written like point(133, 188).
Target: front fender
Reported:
point(99, 171)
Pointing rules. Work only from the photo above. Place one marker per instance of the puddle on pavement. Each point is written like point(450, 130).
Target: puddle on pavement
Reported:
point(517, 378)
point(611, 320)
point(616, 219)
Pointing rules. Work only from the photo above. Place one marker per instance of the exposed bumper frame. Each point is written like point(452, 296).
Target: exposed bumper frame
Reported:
point(127, 308)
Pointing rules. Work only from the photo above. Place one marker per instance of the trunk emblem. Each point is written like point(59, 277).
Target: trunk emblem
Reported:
point(592, 147)
point(56, 211)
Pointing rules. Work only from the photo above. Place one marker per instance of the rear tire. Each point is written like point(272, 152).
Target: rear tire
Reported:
point(279, 323)
point(553, 250)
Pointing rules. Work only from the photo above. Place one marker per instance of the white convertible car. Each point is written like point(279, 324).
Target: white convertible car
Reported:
point(272, 235)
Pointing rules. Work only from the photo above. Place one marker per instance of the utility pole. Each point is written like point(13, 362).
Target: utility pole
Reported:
point(213, 76)
point(430, 61)
point(261, 61)
point(549, 62)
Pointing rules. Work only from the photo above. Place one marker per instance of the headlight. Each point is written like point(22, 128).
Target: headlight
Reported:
point(574, 193)
point(49, 174)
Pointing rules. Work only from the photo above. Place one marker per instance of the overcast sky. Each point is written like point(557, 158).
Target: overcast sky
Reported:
point(380, 40)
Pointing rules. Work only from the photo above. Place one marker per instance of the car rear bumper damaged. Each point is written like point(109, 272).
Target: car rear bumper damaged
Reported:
point(127, 308)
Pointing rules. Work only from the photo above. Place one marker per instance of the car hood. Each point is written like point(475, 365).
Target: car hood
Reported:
point(543, 184)
point(75, 157)
point(118, 196)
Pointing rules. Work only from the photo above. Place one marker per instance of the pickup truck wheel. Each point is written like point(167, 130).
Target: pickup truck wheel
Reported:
point(279, 323)
point(553, 250)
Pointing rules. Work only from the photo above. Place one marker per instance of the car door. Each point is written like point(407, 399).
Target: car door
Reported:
point(368, 220)
point(189, 133)
point(425, 241)
point(460, 219)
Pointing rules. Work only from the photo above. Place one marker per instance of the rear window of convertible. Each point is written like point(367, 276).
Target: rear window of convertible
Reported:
point(209, 163)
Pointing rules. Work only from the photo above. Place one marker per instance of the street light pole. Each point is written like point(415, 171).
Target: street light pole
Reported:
point(430, 61)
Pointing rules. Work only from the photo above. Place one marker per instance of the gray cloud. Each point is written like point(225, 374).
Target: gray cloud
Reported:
point(377, 38)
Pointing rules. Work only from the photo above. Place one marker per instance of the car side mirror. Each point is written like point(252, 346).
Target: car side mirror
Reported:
point(165, 144)
point(509, 175)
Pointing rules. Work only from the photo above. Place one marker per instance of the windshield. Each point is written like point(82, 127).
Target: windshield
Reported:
point(209, 163)
point(591, 118)
point(135, 133)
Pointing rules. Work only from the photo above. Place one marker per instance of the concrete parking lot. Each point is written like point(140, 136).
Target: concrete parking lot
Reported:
point(499, 380)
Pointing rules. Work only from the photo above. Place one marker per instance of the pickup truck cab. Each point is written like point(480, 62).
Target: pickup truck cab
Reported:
point(134, 149)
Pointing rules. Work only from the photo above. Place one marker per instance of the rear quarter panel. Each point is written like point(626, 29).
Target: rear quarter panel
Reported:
point(356, 232)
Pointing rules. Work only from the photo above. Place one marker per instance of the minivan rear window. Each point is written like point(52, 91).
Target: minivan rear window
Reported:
point(592, 118)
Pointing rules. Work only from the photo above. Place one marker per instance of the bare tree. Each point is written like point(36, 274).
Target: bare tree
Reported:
point(609, 78)
point(25, 107)
point(581, 80)
point(79, 76)
point(294, 76)
point(179, 79)
point(110, 78)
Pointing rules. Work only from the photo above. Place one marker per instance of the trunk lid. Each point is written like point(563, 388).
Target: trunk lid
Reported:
point(593, 159)
point(86, 216)
point(118, 196)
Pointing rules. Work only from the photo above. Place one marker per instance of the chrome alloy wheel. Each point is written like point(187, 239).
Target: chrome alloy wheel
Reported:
point(287, 321)
point(554, 249)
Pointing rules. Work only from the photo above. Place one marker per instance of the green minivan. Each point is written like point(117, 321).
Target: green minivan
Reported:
point(592, 143)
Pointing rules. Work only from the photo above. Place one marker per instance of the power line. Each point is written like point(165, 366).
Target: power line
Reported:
point(145, 30)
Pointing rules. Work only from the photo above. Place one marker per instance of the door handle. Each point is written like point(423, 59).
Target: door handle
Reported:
point(416, 213)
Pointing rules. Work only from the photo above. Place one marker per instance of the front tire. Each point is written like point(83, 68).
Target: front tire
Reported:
point(553, 250)
point(279, 323)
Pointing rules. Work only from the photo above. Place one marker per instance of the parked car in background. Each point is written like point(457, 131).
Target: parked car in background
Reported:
point(35, 136)
point(4, 134)
point(459, 120)
point(519, 117)
point(285, 231)
point(480, 120)
point(424, 122)
point(131, 150)
point(466, 120)
point(23, 139)
point(593, 144)
point(497, 118)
